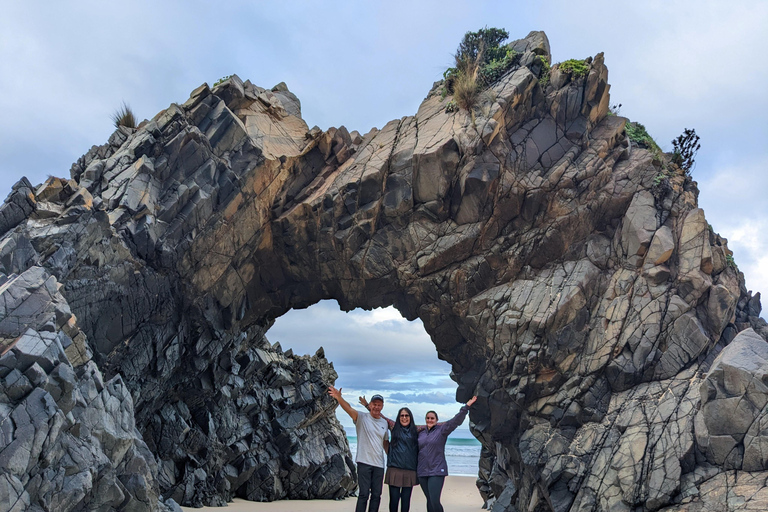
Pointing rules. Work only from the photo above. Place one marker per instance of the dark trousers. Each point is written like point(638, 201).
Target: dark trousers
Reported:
point(370, 480)
point(400, 495)
point(432, 487)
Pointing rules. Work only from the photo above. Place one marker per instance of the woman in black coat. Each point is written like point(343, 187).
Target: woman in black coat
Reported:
point(402, 458)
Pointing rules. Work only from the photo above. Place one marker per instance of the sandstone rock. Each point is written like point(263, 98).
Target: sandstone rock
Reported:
point(662, 246)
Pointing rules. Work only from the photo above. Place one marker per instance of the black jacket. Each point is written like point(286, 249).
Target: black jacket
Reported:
point(403, 449)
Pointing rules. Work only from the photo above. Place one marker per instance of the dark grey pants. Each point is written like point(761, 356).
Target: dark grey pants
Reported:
point(370, 481)
point(433, 488)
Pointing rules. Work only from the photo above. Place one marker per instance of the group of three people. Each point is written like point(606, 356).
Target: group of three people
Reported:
point(416, 454)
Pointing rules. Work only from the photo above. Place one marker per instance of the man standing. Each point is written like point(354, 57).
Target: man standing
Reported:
point(372, 432)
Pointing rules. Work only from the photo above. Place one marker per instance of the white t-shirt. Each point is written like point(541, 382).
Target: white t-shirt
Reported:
point(371, 433)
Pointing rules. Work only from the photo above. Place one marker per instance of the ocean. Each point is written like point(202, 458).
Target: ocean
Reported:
point(462, 452)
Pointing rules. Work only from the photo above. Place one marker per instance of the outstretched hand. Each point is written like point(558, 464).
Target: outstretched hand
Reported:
point(471, 401)
point(335, 393)
point(363, 401)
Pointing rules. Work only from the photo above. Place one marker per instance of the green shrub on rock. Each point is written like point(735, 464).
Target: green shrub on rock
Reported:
point(545, 70)
point(496, 68)
point(577, 68)
point(485, 42)
point(222, 80)
point(637, 133)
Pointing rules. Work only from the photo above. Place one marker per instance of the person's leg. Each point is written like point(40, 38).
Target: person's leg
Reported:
point(424, 484)
point(405, 499)
point(377, 483)
point(364, 475)
point(435, 490)
point(394, 497)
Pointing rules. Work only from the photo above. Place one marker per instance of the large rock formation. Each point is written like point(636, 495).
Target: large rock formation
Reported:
point(565, 273)
point(68, 440)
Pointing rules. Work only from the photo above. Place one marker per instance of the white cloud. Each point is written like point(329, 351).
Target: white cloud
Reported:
point(383, 315)
point(733, 198)
point(373, 352)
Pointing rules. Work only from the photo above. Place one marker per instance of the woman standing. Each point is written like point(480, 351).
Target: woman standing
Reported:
point(432, 467)
point(402, 459)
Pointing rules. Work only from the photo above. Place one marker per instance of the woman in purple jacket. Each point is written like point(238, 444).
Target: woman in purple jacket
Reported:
point(432, 467)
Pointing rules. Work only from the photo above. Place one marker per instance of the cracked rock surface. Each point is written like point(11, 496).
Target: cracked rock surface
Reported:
point(577, 289)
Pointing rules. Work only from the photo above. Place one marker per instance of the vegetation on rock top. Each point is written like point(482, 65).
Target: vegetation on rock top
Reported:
point(222, 80)
point(480, 61)
point(576, 67)
point(685, 147)
point(637, 133)
point(124, 117)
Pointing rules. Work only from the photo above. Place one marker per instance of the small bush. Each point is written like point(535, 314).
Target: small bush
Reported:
point(496, 68)
point(449, 77)
point(614, 109)
point(545, 70)
point(637, 133)
point(222, 80)
point(577, 68)
point(685, 148)
point(730, 261)
point(485, 41)
point(124, 117)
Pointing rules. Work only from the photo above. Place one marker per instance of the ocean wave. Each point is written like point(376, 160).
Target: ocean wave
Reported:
point(462, 455)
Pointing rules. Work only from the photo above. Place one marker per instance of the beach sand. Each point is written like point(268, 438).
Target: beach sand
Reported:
point(459, 495)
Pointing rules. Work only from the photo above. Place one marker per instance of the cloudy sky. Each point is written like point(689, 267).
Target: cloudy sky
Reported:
point(66, 66)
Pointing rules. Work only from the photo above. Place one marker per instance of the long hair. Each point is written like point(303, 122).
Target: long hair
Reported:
point(399, 428)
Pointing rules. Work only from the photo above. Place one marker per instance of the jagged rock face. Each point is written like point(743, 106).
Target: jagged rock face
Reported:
point(731, 423)
point(68, 440)
point(225, 412)
point(576, 290)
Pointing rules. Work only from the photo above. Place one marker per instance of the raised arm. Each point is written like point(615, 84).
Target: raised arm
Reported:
point(453, 423)
point(336, 394)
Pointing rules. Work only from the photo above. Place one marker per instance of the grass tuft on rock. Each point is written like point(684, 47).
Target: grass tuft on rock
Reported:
point(466, 89)
point(124, 117)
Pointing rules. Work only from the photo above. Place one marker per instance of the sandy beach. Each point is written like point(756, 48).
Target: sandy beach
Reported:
point(459, 495)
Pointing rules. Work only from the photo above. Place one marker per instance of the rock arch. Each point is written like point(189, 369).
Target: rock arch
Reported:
point(565, 273)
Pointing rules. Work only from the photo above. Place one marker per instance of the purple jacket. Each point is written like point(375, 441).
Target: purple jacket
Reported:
point(432, 446)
